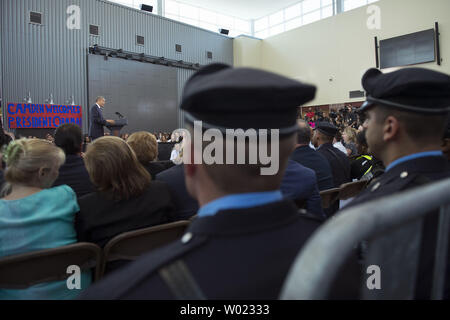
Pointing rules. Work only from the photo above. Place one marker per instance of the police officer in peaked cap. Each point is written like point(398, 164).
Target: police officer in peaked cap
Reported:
point(246, 235)
point(406, 113)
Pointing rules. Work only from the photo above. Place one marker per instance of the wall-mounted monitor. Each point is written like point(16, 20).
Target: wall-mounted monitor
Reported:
point(410, 49)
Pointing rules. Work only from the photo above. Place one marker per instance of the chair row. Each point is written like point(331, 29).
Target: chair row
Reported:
point(344, 192)
point(28, 269)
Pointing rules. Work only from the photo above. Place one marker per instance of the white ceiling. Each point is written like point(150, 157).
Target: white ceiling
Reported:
point(244, 9)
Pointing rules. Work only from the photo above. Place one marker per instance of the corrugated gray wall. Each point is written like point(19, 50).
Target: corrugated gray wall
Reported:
point(51, 59)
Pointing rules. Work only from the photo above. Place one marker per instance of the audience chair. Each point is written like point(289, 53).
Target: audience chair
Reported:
point(351, 189)
point(329, 197)
point(391, 229)
point(131, 245)
point(28, 269)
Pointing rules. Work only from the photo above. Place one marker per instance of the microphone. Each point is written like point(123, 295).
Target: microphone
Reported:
point(121, 116)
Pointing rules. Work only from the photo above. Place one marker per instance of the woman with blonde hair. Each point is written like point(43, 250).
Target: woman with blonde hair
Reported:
point(145, 145)
point(34, 216)
point(126, 199)
point(349, 137)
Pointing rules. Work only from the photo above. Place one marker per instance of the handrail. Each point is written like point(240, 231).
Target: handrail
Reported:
point(311, 274)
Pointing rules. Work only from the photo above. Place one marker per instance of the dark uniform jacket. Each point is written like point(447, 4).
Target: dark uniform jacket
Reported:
point(185, 205)
point(315, 161)
point(236, 254)
point(339, 162)
point(404, 176)
point(74, 174)
point(96, 123)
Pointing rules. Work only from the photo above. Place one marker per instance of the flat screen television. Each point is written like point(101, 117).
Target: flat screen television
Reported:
point(410, 49)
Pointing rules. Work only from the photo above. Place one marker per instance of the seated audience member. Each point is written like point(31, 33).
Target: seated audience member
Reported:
point(339, 162)
point(33, 215)
point(300, 184)
point(337, 143)
point(145, 147)
point(124, 136)
point(349, 137)
point(246, 236)
point(185, 205)
point(73, 172)
point(310, 158)
point(362, 165)
point(406, 117)
point(126, 199)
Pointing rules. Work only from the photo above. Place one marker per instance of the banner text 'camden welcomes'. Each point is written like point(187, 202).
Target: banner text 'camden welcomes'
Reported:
point(42, 115)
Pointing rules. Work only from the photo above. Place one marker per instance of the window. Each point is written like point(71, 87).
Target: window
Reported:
point(276, 18)
point(293, 12)
point(353, 4)
point(206, 19)
point(310, 5)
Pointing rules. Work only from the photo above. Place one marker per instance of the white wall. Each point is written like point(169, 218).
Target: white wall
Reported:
point(341, 47)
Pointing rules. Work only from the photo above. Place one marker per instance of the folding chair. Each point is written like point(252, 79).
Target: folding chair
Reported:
point(329, 197)
point(28, 269)
point(351, 189)
point(392, 230)
point(131, 245)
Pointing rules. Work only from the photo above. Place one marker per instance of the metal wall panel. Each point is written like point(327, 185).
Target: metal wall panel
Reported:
point(51, 59)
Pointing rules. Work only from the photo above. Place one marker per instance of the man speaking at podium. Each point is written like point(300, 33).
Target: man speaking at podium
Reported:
point(96, 120)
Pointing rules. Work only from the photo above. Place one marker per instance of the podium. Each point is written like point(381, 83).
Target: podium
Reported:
point(115, 129)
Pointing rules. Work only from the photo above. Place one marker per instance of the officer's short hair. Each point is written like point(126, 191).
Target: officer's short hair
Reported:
point(242, 178)
point(99, 98)
point(419, 127)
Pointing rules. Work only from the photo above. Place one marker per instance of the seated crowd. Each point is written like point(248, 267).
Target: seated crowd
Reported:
point(66, 189)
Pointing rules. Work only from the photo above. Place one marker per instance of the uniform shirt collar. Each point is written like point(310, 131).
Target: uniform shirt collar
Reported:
point(414, 156)
point(98, 106)
point(239, 201)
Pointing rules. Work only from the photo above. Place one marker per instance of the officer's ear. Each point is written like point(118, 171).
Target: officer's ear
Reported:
point(390, 128)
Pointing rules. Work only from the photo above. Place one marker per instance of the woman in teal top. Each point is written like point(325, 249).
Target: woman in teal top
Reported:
point(34, 217)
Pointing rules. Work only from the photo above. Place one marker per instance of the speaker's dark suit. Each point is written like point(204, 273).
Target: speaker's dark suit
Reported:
point(96, 122)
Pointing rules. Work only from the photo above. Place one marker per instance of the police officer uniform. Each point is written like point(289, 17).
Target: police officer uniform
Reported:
point(415, 90)
point(420, 91)
point(241, 246)
point(339, 162)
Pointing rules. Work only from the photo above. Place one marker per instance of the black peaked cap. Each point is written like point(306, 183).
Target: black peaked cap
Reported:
point(241, 98)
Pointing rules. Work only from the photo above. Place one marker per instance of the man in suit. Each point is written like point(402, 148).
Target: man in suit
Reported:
point(96, 120)
point(73, 172)
point(406, 116)
point(324, 134)
point(185, 205)
point(312, 159)
point(300, 184)
point(246, 235)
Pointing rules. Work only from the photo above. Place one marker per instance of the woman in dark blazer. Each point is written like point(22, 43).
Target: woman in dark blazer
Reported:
point(126, 199)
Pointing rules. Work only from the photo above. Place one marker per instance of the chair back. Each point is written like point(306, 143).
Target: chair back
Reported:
point(131, 245)
point(22, 271)
point(329, 197)
point(351, 189)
